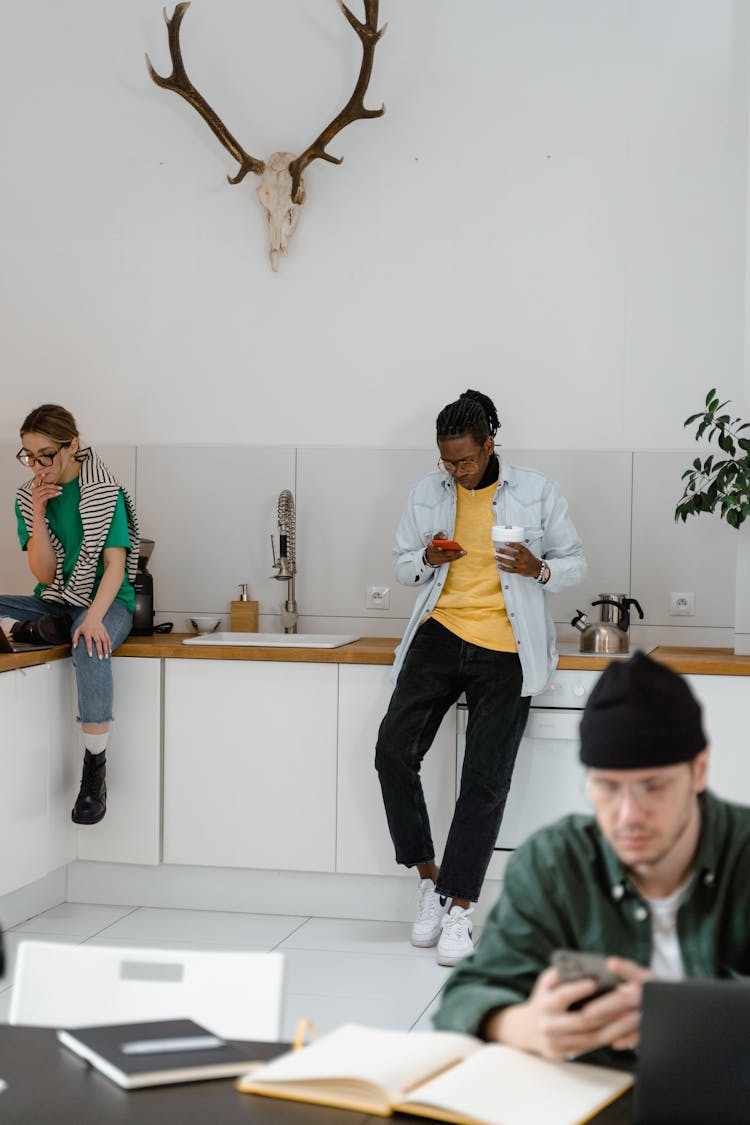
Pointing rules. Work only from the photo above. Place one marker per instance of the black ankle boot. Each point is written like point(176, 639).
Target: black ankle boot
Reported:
point(91, 803)
point(49, 629)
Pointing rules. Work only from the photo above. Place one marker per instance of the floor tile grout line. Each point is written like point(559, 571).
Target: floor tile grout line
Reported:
point(427, 1008)
point(128, 914)
point(296, 929)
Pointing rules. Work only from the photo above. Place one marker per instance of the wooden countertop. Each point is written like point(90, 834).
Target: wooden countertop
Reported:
point(703, 661)
point(10, 661)
point(367, 650)
point(374, 650)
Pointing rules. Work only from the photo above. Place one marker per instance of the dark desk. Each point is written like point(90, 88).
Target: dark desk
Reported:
point(49, 1085)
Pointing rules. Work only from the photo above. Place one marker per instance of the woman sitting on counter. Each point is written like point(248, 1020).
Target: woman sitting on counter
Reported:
point(79, 529)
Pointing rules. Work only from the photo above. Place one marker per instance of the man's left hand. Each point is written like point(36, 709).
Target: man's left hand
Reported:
point(515, 558)
point(612, 1020)
point(546, 1024)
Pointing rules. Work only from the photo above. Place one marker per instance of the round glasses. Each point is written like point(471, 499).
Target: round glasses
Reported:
point(43, 459)
point(465, 465)
point(647, 795)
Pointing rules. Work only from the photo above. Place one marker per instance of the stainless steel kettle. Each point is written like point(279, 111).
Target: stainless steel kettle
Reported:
point(611, 634)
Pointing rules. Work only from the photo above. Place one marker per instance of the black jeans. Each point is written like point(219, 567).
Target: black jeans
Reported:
point(438, 667)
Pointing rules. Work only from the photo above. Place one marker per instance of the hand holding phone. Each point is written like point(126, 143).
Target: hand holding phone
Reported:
point(446, 545)
point(577, 964)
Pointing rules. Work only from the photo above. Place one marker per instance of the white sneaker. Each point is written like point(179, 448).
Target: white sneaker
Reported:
point(455, 940)
point(426, 929)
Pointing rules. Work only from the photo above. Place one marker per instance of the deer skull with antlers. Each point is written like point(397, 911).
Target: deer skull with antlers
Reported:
point(281, 190)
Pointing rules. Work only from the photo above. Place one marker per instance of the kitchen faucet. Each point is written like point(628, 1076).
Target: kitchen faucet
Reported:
point(286, 563)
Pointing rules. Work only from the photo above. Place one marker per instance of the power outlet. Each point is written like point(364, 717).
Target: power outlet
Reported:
point(681, 604)
point(378, 597)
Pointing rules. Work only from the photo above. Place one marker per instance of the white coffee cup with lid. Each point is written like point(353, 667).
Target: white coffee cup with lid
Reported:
point(504, 534)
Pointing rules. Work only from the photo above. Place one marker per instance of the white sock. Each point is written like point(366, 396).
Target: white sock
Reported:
point(6, 624)
point(95, 743)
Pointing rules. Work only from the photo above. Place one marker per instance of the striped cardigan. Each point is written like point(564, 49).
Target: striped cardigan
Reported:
point(99, 492)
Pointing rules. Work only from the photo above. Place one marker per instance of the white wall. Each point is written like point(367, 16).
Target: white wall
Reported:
point(552, 210)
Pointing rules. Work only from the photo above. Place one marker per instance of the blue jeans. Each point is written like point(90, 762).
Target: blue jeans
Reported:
point(93, 676)
point(438, 667)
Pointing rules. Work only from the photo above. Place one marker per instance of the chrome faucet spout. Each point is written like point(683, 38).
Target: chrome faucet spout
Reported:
point(286, 562)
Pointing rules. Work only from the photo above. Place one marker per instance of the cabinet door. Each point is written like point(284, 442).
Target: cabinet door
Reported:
point(36, 833)
point(131, 830)
point(363, 843)
point(725, 704)
point(250, 764)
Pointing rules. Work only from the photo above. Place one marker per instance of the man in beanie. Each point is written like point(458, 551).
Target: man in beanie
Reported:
point(658, 880)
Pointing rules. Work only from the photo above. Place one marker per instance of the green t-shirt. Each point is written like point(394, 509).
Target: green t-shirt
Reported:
point(64, 519)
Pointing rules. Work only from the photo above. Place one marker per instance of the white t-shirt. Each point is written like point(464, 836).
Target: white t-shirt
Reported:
point(666, 956)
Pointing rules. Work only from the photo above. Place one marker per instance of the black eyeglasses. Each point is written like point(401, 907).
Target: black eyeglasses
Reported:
point(43, 459)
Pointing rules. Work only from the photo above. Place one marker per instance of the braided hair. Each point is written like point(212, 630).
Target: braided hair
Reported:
point(473, 414)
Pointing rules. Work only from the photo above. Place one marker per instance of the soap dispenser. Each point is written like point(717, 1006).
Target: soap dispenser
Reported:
point(243, 614)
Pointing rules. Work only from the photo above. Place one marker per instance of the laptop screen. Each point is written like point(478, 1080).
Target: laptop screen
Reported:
point(694, 1054)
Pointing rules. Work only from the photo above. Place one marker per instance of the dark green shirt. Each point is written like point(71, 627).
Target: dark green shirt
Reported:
point(565, 888)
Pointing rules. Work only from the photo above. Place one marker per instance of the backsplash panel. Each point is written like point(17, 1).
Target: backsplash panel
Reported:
point(349, 505)
point(597, 487)
point(211, 510)
point(697, 556)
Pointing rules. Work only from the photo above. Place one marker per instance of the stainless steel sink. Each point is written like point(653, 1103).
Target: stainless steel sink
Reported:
point(273, 640)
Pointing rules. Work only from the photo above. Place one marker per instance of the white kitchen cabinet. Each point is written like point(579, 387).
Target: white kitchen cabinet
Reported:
point(363, 844)
point(726, 701)
point(250, 764)
point(131, 830)
point(36, 833)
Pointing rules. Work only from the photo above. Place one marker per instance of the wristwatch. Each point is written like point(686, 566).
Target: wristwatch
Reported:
point(544, 573)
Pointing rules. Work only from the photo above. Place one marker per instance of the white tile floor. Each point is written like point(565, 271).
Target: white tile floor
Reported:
point(336, 970)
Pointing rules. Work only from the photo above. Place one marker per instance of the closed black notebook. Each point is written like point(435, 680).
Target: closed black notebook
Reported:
point(156, 1053)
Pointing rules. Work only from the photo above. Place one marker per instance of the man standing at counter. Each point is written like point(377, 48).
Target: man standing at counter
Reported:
point(660, 876)
point(480, 625)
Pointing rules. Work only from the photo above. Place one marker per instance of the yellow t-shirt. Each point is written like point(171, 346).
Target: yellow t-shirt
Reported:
point(471, 603)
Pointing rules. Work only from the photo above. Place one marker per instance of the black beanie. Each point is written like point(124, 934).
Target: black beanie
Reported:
point(640, 714)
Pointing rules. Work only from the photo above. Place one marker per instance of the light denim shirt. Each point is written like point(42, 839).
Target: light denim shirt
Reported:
point(523, 498)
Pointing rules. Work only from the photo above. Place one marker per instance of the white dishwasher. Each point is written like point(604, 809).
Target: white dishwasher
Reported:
point(548, 779)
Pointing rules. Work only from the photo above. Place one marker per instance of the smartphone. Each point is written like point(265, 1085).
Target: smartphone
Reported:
point(446, 544)
point(575, 964)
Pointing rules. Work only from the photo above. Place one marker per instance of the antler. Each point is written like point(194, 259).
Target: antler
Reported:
point(354, 110)
point(179, 82)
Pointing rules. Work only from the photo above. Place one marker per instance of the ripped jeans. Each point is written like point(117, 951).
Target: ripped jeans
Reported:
point(93, 676)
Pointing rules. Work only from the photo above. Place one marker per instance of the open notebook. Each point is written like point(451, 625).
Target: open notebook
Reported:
point(437, 1074)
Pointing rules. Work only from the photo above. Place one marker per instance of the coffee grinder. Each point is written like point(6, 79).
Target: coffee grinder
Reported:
point(143, 615)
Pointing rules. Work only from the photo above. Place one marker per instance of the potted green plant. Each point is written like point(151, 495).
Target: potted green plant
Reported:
point(718, 481)
point(721, 482)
